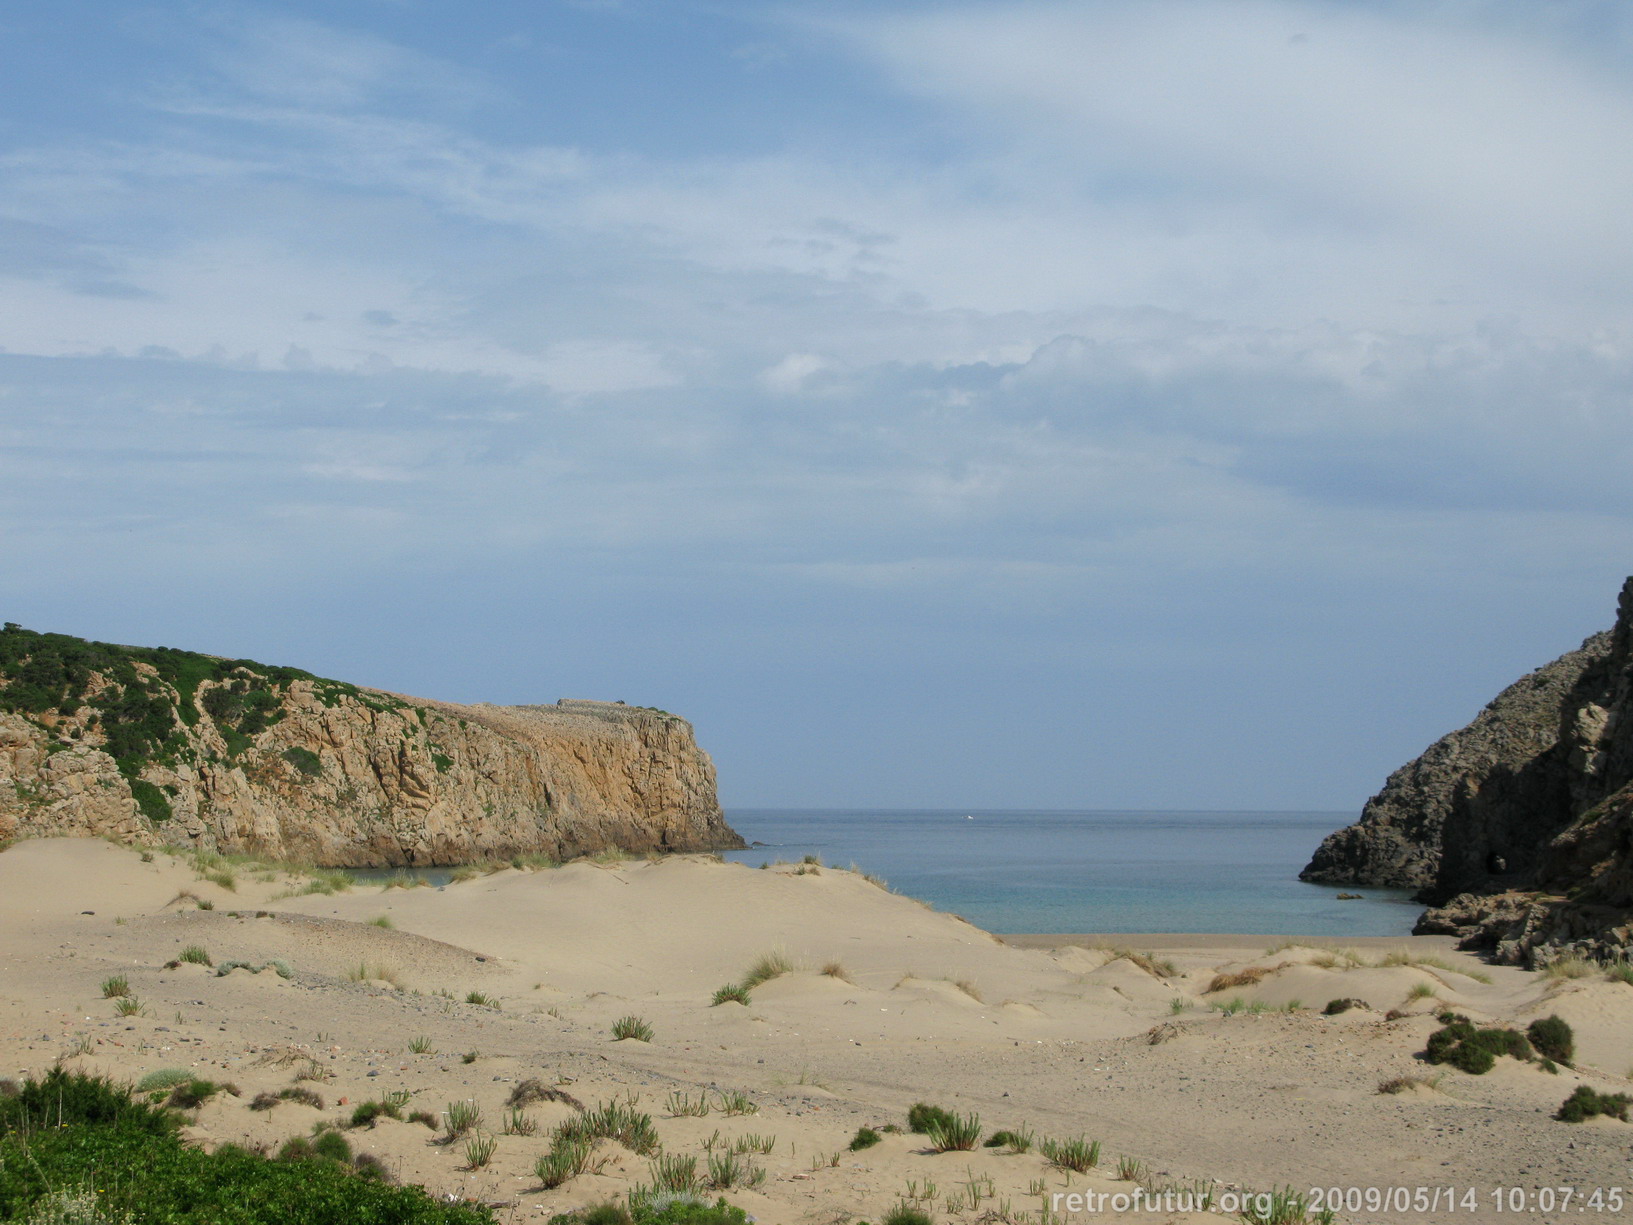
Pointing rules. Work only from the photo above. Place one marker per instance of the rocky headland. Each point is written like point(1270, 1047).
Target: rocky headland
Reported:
point(155, 746)
point(1517, 829)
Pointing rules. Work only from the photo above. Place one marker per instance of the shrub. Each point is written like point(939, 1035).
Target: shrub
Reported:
point(333, 1145)
point(731, 993)
point(365, 1113)
point(906, 1214)
point(922, 1116)
point(163, 1078)
point(631, 1027)
point(1015, 1141)
point(959, 1134)
point(566, 1159)
point(865, 1137)
point(1585, 1103)
point(304, 760)
point(195, 1093)
point(195, 954)
point(1553, 1039)
point(481, 1000)
point(611, 1121)
point(1473, 1050)
point(1334, 1007)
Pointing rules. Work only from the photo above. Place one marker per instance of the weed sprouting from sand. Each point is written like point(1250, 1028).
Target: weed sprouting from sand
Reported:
point(532, 1090)
point(1077, 1154)
point(613, 1120)
point(772, 965)
point(470, 1057)
point(163, 1078)
point(969, 989)
point(117, 985)
point(906, 1214)
point(956, 1133)
point(320, 882)
point(194, 1093)
point(479, 1150)
point(1156, 968)
point(631, 1027)
point(1421, 991)
point(566, 1159)
point(684, 1105)
point(195, 954)
point(520, 1123)
point(754, 1142)
point(1400, 1084)
point(1176, 1005)
point(735, 1102)
point(421, 1045)
point(921, 1116)
point(728, 1170)
point(128, 1006)
point(732, 993)
point(1281, 1206)
point(1012, 1140)
point(834, 969)
point(383, 921)
point(865, 1137)
point(365, 971)
point(1249, 976)
point(1293, 1005)
point(459, 1118)
point(1232, 1006)
point(1620, 971)
point(481, 1000)
point(1132, 1169)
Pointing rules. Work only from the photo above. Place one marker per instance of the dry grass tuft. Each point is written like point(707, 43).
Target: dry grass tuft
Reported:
point(1249, 976)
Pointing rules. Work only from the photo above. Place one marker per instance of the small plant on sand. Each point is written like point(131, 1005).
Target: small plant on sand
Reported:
point(566, 1159)
point(772, 965)
point(459, 1118)
point(519, 1123)
point(674, 1172)
point(194, 1093)
point(958, 1134)
point(1132, 1169)
point(1176, 1005)
point(1077, 1154)
point(631, 1027)
point(470, 1056)
point(533, 1090)
point(684, 1105)
point(906, 1214)
point(479, 1151)
point(731, 993)
point(195, 954)
point(1585, 1103)
point(481, 1000)
point(116, 986)
point(728, 1170)
point(1281, 1206)
point(613, 1120)
point(1341, 1005)
point(1400, 1084)
point(421, 1045)
point(1473, 1050)
point(865, 1137)
point(1013, 1140)
point(1421, 991)
point(921, 1116)
point(382, 921)
point(365, 1113)
point(128, 1006)
point(735, 1102)
point(753, 1142)
point(1553, 1039)
point(834, 969)
point(1570, 967)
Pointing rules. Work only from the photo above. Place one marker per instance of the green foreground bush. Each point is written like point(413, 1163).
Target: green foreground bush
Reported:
point(73, 1131)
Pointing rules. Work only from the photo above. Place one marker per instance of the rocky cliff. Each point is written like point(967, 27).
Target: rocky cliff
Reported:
point(165, 747)
point(1518, 827)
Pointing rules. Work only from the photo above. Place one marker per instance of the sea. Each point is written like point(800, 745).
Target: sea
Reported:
point(1015, 871)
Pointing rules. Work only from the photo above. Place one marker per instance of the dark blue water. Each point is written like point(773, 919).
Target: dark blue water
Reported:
point(1025, 871)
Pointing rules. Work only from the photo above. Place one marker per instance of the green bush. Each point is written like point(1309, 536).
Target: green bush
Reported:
point(1553, 1039)
point(921, 1117)
point(906, 1214)
point(304, 760)
point(731, 993)
point(69, 1129)
point(1585, 1103)
point(958, 1134)
point(1473, 1050)
point(865, 1137)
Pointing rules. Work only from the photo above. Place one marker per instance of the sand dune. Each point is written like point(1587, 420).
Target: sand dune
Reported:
point(885, 1003)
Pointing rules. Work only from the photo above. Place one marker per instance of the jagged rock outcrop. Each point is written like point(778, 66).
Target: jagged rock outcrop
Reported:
point(1518, 827)
point(161, 747)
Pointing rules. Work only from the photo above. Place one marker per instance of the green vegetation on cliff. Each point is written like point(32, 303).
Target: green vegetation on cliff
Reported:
point(141, 698)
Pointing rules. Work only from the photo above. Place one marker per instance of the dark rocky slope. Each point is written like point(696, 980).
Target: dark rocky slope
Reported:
point(1518, 828)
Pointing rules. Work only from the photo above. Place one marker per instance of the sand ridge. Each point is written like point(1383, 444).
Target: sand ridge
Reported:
point(1133, 1050)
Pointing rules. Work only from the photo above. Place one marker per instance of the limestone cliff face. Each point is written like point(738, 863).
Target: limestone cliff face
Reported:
point(1520, 825)
point(296, 767)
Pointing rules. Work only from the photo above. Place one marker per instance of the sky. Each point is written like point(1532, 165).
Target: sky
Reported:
point(1195, 404)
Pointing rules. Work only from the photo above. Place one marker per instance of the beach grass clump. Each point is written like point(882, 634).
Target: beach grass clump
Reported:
point(320, 882)
point(631, 1027)
point(128, 1006)
point(1620, 971)
point(1585, 1103)
point(382, 921)
point(1552, 1038)
point(613, 1120)
point(1281, 1206)
point(565, 1160)
point(865, 1137)
point(771, 965)
point(481, 1000)
point(163, 1078)
point(728, 1170)
point(298, 1094)
point(479, 1150)
point(731, 993)
point(1077, 1154)
point(835, 969)
point(364, 1114)
point(115, 986)
point(459, 1118)
point(195, 954)
point(1400, 1084)
point(733, 1102)
point(1343, 1004)
point(1248, 976)
point(421, 1045)
point(193, 1093)
point(674, 1172)
point(533, 1090)
point(906, 1214)
point(1156, 967)
point(1570, 967)
point(682, 1105)
point(519, 1123)
point(958, 1134)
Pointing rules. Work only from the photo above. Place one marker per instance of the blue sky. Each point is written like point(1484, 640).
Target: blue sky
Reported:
point(1173, 403)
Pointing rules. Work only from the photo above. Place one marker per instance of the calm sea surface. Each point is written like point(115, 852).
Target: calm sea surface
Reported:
point(1021, 871)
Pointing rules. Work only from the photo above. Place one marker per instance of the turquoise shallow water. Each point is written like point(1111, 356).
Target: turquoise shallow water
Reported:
point(1052, 871)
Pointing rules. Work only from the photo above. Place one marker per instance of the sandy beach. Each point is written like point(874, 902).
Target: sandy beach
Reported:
point(885, 1003)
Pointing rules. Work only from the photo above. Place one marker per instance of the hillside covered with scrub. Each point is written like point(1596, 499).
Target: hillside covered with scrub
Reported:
point(156, 746)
